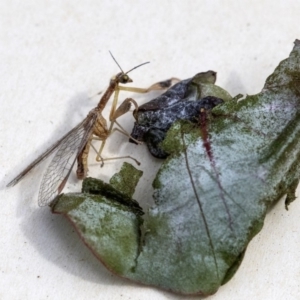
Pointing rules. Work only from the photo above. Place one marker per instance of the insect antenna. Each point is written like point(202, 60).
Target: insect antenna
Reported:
point(147, 62)
point(116, 62)
point(130, 69)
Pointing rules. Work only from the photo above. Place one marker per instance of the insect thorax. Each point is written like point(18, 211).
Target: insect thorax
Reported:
point(100, 127)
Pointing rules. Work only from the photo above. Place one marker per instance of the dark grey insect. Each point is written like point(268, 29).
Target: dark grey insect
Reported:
point(183, 101)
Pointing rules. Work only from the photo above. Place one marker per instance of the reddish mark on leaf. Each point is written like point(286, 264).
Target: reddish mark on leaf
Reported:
point(203, 122)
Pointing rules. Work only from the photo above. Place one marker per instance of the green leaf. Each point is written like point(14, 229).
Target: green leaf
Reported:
point(127, 179)
point(107, 220)
point(211, 194)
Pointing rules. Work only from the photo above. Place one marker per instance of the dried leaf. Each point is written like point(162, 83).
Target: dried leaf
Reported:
point(183, 101)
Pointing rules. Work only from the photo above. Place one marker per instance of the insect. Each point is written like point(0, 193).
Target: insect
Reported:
point(181, 102)
point(77, 142)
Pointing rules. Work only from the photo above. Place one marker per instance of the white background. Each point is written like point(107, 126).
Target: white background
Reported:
point(54, 57)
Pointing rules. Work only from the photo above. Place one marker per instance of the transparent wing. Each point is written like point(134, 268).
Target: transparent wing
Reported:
point(60, 167)
point(67, 149)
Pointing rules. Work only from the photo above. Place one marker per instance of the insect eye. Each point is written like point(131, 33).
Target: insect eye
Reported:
point(124, 79)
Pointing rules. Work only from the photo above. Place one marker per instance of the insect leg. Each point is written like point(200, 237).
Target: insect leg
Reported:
point(125, 106)
point(100, 158)
point(161, 85)
point(122, 109)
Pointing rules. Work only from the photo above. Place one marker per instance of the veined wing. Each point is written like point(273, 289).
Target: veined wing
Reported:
point(67, 149)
